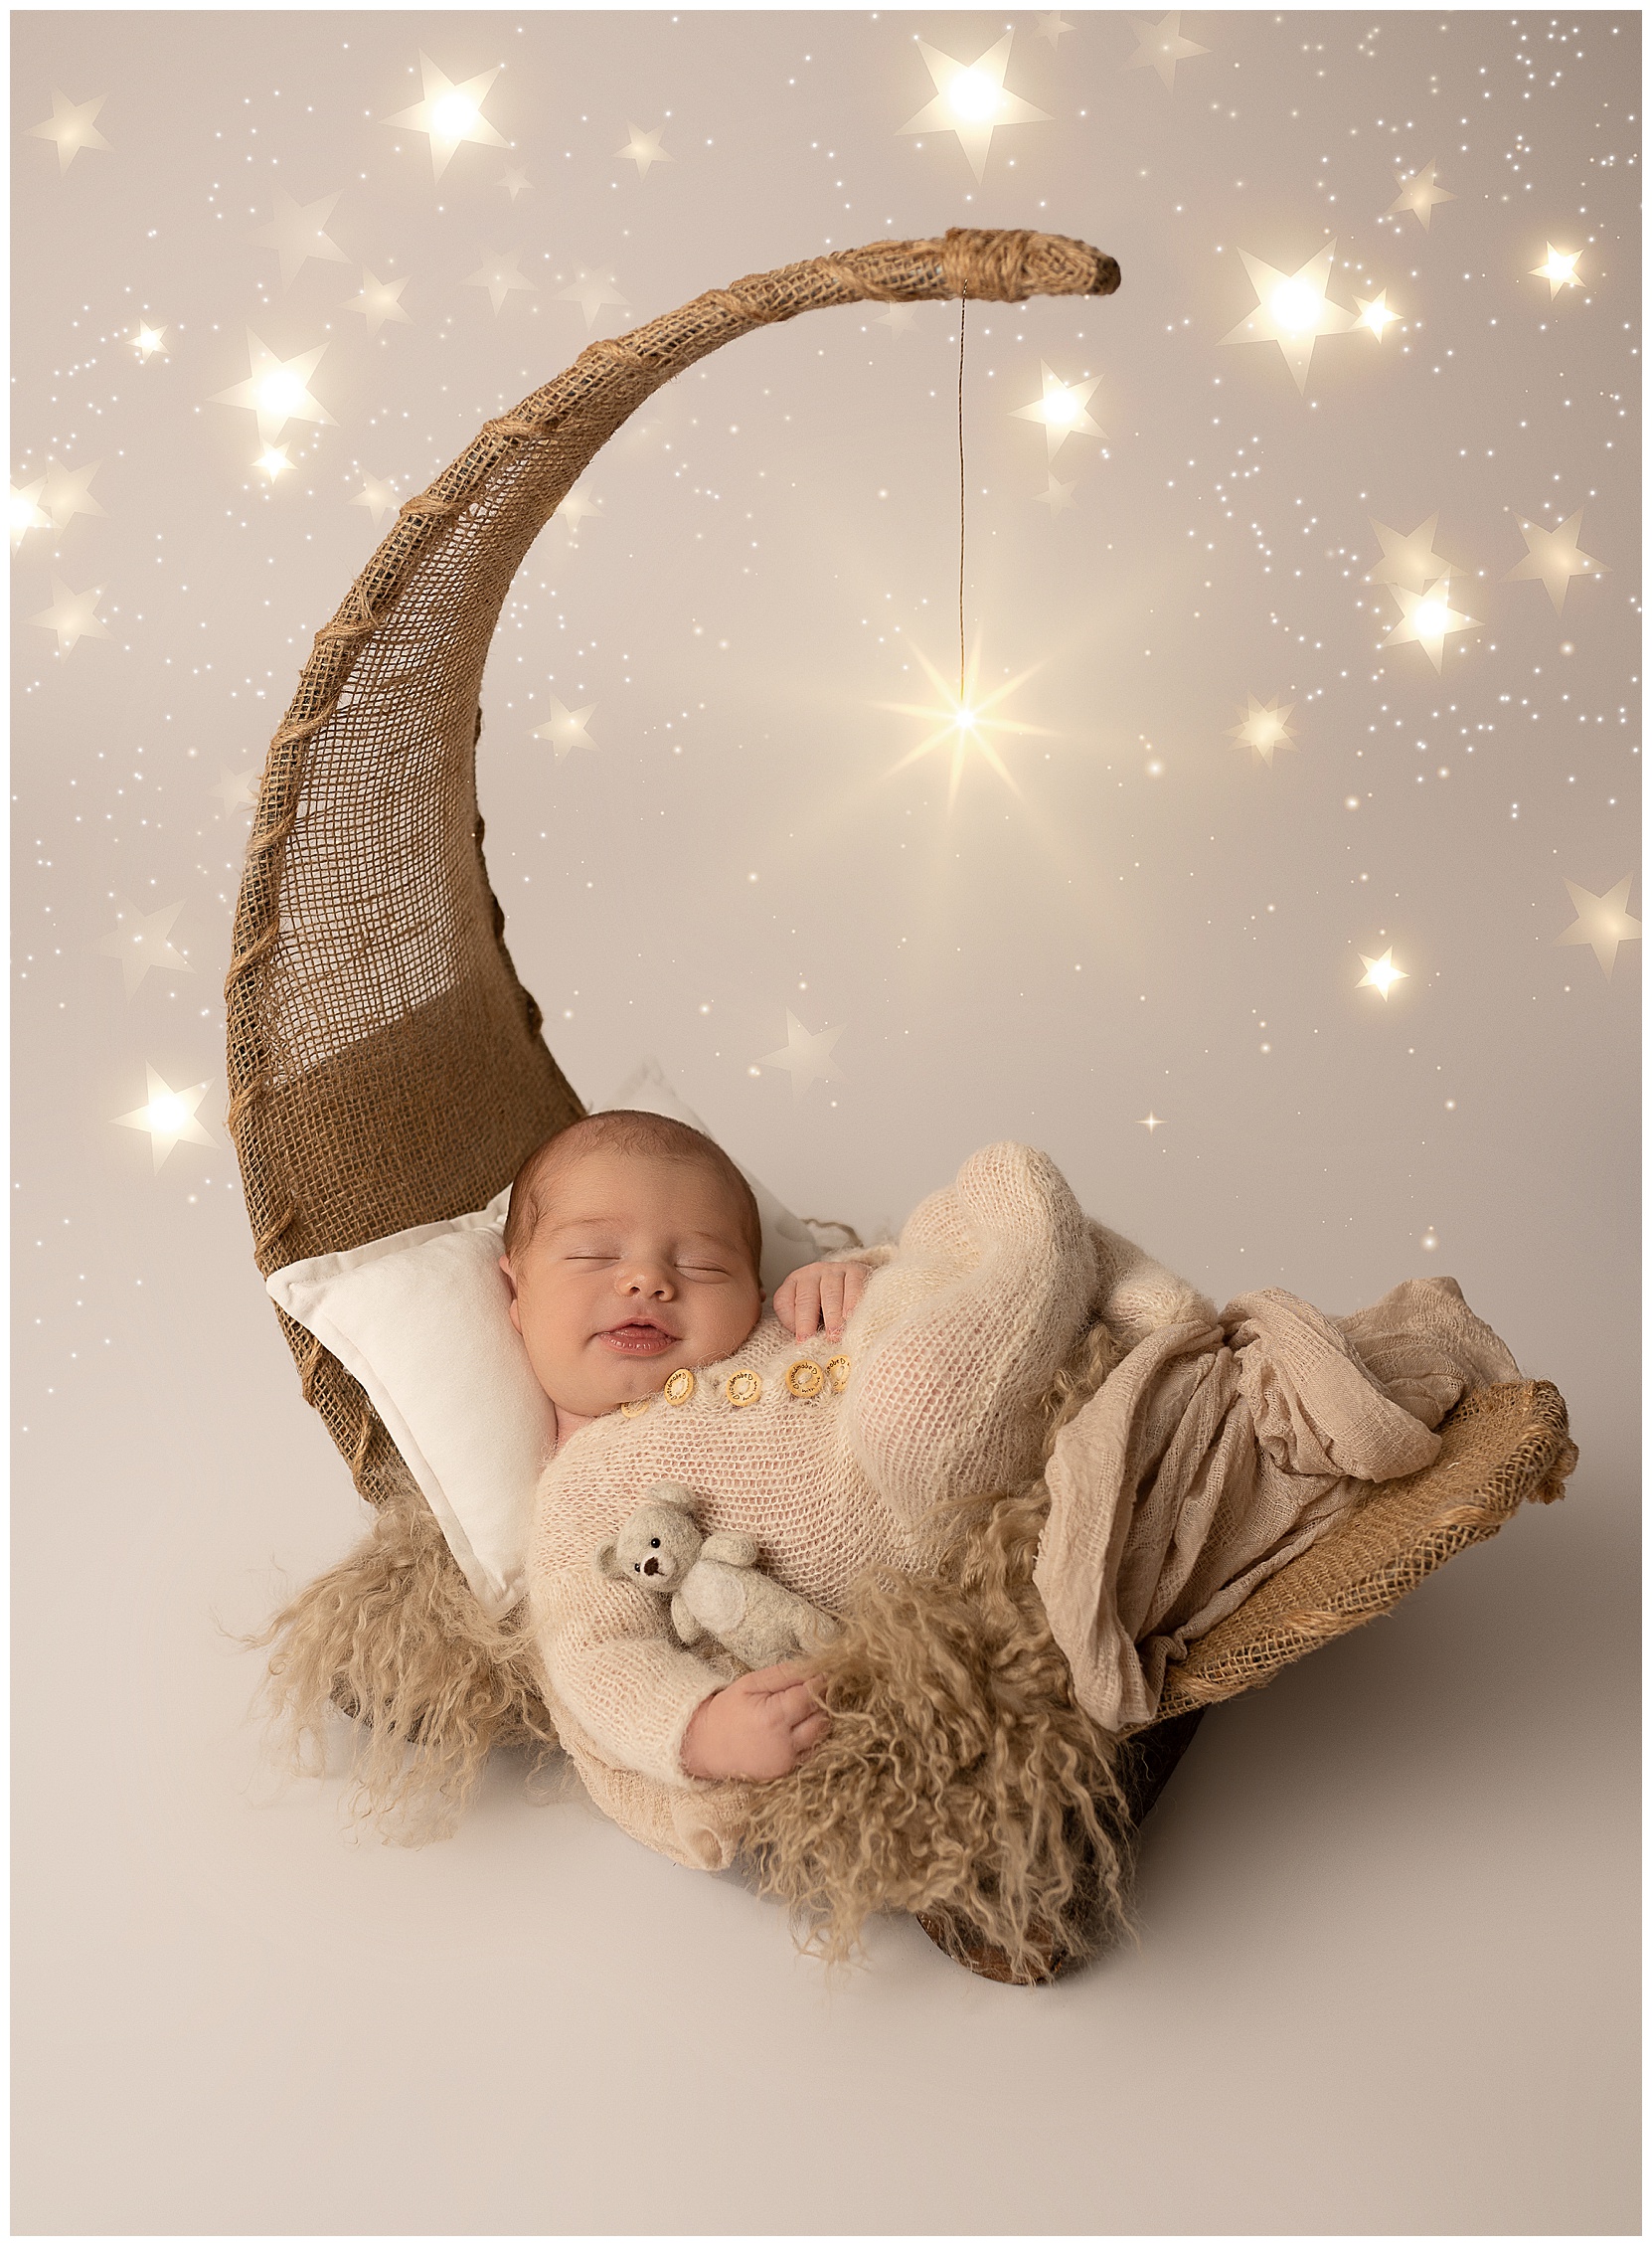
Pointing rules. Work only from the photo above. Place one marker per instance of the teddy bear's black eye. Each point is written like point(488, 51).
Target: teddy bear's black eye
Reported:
point(655, 1542)
point(636, 1566)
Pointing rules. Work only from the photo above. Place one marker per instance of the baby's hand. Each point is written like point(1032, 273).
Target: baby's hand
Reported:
point(819, 1295)
point(758, 1727)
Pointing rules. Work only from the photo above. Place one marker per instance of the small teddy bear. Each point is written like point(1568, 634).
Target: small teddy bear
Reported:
point(713, 1582)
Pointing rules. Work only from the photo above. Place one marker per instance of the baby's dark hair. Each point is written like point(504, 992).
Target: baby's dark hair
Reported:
point(625, 1131)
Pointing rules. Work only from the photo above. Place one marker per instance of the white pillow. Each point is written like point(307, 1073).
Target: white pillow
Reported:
point(421, 1318)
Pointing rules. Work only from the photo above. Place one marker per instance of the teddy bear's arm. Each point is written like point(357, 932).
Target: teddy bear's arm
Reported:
point(684, 1620)
point(737, 1551)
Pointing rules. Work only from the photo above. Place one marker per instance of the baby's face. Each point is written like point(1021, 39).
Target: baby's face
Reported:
point(636, 1265)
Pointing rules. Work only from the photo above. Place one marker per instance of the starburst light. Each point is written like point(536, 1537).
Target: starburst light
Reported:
point(964, 722)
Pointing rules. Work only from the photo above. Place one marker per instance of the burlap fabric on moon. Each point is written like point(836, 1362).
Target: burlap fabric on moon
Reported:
point(385, 1067)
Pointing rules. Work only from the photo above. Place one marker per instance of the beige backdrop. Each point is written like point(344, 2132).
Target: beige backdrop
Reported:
point(1387, 1981)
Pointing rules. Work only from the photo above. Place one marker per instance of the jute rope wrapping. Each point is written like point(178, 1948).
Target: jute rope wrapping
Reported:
point(385, 1067)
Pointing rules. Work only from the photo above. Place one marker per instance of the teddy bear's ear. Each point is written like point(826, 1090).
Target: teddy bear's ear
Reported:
point(604, 1562)
point(671, 1494)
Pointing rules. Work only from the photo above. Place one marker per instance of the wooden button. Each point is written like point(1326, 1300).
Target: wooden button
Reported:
point(636, 1405)
point(805, 1378)
point(743, 1387)
point(679, 1387)
point(837, 1372)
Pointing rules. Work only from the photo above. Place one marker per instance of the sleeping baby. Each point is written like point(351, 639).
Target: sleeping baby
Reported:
point(823, 1428)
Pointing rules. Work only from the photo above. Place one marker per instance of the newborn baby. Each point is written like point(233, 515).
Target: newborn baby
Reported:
point(631, 1250)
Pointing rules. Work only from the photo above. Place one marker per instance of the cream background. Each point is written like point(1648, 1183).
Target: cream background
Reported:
point(1388, 1979)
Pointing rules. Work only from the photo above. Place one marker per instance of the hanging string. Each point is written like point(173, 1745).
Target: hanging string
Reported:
point(963, 301)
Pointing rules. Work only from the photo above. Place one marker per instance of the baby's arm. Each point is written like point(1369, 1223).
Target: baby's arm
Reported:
point(1135, 1295)
point(609, 1659)
point(652, 1707)
point(994, 1278)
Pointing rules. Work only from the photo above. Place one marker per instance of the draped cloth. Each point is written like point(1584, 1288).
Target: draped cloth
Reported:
point(1214, 1453)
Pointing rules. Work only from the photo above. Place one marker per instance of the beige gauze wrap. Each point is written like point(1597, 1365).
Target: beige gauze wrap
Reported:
point(1216, 1452)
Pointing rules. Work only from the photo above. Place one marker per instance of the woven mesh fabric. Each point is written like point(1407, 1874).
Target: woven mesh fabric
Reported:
point(385, 1065)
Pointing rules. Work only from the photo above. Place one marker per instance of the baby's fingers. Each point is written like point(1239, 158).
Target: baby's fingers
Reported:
point(805, 1311)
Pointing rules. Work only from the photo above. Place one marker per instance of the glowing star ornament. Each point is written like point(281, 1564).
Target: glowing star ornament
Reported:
point(964, 723)
point(140, 943)
point(499, 273)
point(1552, 555)
point(1058, 498)
point(70, 126)
point(898, 318)
point(644, 149)
point(296, 235)
point(1292, 310)
point(273, 462)
point(149, 340)
point(379, 300)
point(1559, 268)
point(1161, 48)
point(515, 182)
point(169, 1115)
point(71, 615)
point(574, 511)
point(1419, 191)
point(972, 101)
point(378, 497)
point(1062, 410)
point(1054, 28)
point(1265, 729)
point(1374, 315)
point(1428, 618)
point(235, 790)
point(591, 294)
point(810, 1058)
point(25, 514)
point(565, 729)
point(69, 493)
point(277, 390)
point(1603, 923)
point(451, 114)
point(1152, 1122)
point(1409, 558)
point(1381, 974)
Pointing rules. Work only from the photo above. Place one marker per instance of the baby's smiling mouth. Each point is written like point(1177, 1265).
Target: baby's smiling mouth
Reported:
point(638, 1338)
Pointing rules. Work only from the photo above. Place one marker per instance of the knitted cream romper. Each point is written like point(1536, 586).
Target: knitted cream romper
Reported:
point(828, 1455)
